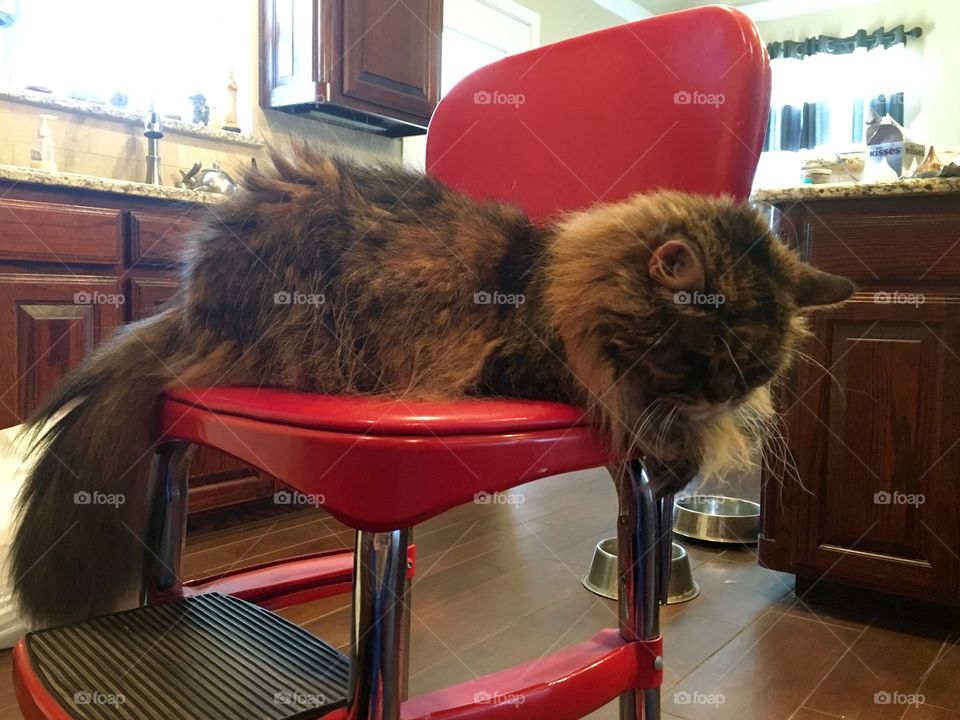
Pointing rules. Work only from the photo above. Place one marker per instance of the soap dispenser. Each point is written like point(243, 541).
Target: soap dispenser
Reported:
point(43, 153)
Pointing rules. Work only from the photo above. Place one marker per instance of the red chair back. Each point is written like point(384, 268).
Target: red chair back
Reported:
point(678, 101)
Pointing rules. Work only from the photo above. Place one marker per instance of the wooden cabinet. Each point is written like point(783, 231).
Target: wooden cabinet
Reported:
point(873, 419)
point(372, 62)
point(74, 266)
point(47, 324)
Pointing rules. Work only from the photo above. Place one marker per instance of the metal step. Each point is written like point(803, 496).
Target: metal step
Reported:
point(210, 656)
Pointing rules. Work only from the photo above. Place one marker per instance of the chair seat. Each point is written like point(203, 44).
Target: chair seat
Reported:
point(211, 656)
point(382, 415)
point(381, 464)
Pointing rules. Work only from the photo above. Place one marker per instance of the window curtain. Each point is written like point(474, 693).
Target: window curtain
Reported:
point(825, 88)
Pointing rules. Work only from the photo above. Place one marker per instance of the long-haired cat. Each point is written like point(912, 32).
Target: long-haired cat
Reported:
point(665, 315)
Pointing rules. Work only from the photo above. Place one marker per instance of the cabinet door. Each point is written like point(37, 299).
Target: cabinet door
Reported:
point(47, 324)
point(160, 239)
point(390, 57)
point(289, 40)
point(877, 445)
point(148, 295)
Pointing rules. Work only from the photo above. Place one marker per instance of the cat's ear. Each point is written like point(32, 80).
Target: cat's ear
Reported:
point(815, 288)
point(676, 265)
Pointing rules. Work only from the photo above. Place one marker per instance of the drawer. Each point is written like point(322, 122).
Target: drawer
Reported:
point(148, 295)
point(159, 239)
point(898, 241)
point(60, 233)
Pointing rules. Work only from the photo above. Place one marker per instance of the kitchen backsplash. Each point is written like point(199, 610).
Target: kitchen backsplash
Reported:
point(88, 144)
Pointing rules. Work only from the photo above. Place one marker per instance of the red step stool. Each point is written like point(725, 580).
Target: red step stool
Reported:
point(605, 115)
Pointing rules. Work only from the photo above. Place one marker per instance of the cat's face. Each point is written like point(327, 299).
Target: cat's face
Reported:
point(677, 311)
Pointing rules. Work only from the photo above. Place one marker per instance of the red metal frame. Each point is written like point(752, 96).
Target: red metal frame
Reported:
point(283, 583)
point(381, 482)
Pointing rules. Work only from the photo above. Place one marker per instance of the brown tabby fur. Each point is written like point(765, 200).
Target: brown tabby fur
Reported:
point(398, 259)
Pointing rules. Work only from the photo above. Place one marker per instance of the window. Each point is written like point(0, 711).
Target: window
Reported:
point(825, 90)
point(124, 52)
point(476, 33)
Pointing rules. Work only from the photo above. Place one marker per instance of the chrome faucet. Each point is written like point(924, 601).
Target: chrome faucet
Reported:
point(153, 131)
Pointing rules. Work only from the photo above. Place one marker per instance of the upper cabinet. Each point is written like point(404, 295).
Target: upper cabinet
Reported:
point(375, 63)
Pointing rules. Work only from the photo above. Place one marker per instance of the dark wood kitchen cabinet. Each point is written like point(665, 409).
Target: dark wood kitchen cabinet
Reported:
point(44, 332)
point(74, 266)
point(873, 420)
point(373, 62)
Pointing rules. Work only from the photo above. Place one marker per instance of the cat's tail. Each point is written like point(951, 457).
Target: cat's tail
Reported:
point(83, 511)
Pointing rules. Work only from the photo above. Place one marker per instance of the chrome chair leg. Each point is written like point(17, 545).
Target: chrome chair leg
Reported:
point(639, 605)
point(167, 531)
point(376, 666)
point(664, 546)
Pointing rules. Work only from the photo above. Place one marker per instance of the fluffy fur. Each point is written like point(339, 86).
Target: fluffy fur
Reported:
point(385, 274)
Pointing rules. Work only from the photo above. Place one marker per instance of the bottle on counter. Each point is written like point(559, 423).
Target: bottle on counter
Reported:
point(43, 152)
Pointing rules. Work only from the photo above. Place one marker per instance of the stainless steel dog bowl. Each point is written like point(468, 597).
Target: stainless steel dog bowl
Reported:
point(602, 576)
point(715, 518)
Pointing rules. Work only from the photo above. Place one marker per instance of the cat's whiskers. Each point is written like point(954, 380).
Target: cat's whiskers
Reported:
point(733, 360)
point(806, 357)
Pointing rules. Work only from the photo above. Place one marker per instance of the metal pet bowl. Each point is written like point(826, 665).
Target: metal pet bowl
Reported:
point(715, 518)
point(602, 576)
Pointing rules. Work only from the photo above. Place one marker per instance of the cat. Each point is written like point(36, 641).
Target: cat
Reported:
point(667, 316)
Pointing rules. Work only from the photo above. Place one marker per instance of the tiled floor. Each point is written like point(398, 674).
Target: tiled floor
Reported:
point(500, 584)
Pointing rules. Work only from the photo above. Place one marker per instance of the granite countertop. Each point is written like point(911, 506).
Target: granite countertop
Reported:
point(16, 174)
point(912, 186)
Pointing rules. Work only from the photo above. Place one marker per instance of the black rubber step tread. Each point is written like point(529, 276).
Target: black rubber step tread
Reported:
point(211, 656)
